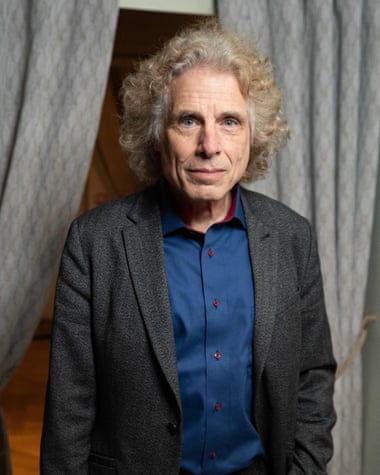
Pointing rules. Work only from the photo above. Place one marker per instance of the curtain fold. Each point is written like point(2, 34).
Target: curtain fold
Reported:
point(326, 55)
point(54, 62)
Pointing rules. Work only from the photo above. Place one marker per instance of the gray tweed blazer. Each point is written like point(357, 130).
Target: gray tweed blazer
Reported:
point(113, 402)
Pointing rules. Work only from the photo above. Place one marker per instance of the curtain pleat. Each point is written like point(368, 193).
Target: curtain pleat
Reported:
point(54, 62)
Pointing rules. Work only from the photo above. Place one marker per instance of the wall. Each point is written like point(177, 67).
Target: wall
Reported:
point(199, 7)
point(371, 357)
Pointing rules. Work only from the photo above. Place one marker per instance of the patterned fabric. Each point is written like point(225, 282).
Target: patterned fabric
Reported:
point(54, 60)
point(327, 61)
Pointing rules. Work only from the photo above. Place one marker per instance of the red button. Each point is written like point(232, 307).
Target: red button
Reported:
point(210, 252)
point(215, 303)
point(213, 455)
point(218, 406)
point(217, 355)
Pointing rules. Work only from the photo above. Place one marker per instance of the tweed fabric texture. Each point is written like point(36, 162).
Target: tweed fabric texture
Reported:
point(114, 356)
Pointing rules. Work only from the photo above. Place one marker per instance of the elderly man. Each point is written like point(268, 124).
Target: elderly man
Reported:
point(190, 333)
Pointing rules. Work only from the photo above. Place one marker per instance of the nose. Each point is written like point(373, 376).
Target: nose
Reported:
point(209, 142)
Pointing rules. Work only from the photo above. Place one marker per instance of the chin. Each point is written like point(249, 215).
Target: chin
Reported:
point(202, 194)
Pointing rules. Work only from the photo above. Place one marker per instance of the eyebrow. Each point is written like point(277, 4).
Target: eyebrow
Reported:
point(236, 115)
point(174, 116)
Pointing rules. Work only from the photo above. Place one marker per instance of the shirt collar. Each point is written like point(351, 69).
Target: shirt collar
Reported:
point(171, 221)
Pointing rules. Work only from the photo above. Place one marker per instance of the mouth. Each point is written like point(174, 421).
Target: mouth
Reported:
point(206, 174)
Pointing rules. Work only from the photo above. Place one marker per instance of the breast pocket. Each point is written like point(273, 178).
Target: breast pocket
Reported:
point(101, 465)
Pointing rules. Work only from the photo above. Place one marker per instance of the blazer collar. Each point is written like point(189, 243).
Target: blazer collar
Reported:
point(263, 247)
point(143, 243)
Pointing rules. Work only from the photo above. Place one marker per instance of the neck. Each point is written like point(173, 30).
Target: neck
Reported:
point(200, 215)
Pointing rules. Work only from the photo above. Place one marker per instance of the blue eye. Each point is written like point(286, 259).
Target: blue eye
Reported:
point(188, 121)
point(230, 122)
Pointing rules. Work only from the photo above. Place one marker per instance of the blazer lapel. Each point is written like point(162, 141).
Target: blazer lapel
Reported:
point(263, 244)
point(143, 242)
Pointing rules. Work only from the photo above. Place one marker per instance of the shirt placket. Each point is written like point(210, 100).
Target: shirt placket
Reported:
point(216, 351)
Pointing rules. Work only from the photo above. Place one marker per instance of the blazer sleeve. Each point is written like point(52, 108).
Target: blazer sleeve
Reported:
point(71, 391)
point(315, 414)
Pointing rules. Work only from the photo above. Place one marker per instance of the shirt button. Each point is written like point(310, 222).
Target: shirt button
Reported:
point(213, 455)
point(217, 355)
point(218, 406)
point(215, 303)
point(210, 252)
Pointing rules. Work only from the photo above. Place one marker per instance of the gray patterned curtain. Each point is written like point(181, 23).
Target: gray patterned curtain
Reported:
point(327, 60)
point(54, 61)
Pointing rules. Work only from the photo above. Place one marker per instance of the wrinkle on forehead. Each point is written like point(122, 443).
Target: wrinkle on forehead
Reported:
point(206, 89)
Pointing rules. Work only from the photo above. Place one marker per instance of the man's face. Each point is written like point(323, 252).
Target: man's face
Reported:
point(206, 143)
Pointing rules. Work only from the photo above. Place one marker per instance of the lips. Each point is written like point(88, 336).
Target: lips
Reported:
point(207, 173)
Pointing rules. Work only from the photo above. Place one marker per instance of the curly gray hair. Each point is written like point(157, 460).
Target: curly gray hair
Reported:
point(146, 96)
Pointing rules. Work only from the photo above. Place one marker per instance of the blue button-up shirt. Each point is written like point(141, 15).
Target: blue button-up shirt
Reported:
point(212, 301)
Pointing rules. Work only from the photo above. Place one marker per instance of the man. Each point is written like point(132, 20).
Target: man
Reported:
point(190, 333)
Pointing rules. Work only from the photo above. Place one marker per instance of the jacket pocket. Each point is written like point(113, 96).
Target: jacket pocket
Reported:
point(101, 465)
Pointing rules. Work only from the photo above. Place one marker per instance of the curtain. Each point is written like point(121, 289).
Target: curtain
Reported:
point(327, 61)
point(54, 61)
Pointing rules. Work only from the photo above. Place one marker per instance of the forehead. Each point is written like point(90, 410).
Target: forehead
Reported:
point(203, 86)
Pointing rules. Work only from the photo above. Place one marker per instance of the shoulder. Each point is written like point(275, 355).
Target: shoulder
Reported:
point(272, 213)
point(294, 240)
point(107, 221)
point(294, 236)
point(115, 213)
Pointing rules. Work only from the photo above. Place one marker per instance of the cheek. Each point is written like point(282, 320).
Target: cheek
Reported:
point(240, 151)
point(167, 155)
point(246, 152)
point(242, 160)
point(170, 163)
point(180, 150)
point(180, 147)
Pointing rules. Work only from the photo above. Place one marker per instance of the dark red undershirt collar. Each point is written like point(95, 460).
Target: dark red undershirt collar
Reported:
point(230, 214)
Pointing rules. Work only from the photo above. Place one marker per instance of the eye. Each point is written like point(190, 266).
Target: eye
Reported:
point(230, 122)
point(187, 121)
